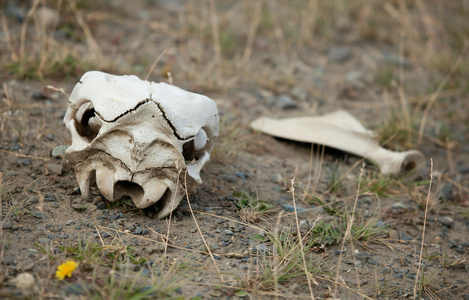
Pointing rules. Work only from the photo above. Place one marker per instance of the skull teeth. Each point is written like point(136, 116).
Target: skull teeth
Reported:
point(105, 183)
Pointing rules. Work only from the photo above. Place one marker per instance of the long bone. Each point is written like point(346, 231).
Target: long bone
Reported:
point(340, 130)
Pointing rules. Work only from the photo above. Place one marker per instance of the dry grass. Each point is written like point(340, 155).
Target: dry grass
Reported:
point(274, 46)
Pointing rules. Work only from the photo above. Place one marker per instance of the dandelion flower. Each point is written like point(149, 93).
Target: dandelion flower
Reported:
point(66, 269)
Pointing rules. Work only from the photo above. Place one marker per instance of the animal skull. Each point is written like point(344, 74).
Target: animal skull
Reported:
point(137, 138)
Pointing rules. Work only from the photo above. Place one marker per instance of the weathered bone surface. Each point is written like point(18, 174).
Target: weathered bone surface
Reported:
point(342, 131)
point(138, 138)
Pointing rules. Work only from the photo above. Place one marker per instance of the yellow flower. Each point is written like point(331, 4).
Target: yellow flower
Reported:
point(66, 269)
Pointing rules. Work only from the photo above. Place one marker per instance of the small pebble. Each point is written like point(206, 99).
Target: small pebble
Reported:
point(299, 93)
point(339, 252)
point(228, 232)
point(138, 230)
point(304, 226)
point(24, 280)
point(240, 175)
point(43, 241)
point(228, 178)
point(25, 162)
point(446, 192)
point(319, 210)
point(32, 200)
point(39, 215)
point(291, 208)
point(261, 248)
point(286, 102)
point(447, 221)
point(398, 275)
point(55, 169)
point(78, 206)
point(380, 223)
point(59, 151)
point(130, 226)
point(277, 178)
point(398, 205)
point(339, 54)
point(373, 262)
point(404, 237)
point(363, 255)
point(393, 235)
point(76, 289)
point(6, 225)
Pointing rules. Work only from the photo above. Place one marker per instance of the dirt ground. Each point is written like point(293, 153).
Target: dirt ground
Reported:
point(400, 68)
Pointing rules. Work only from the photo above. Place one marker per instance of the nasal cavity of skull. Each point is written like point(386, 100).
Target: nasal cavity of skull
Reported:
point(127, 188)
point(195, 148)
point(88, 124)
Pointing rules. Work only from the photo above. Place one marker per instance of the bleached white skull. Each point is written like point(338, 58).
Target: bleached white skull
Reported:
point(138, 138)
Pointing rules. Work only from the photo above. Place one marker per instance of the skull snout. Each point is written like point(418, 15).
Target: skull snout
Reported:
point(143, 193)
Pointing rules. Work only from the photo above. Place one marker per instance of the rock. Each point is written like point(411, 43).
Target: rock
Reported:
point(6, 225)
point(463, 170)
point(446, 192)
point(319, 210)
point(399, 275)
point(129, 266)
point(47, 17)
point(373, 262)
point(228, 232)
point(39, 215)
point(362, 255)
point(76, 289)
point(277, 178)
point(228, 178)
point(59, 151)
point(25, 162)
point(101, 205)
point(398, 205)
point(138, 230)
point(393, 235)
point(55, 169)
point(129, 226)
point(381, 224)
point(304, 225)
point(358, 264)
point(261, 248)
point(339, 54)
point(447, 221)
point(43, 241)
point(78, 206)
point(299, 93)
point(291, 208)
point(240, 175)
point(353, 76)
point(24, 281)
point(286, 102)
point(396, 59)
point(339, 252)
point(404, 237)
point(92, 208)
point(32, 200)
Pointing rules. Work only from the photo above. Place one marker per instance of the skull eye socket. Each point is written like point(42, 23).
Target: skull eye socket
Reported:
point(87, 123)
point(195, 148)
